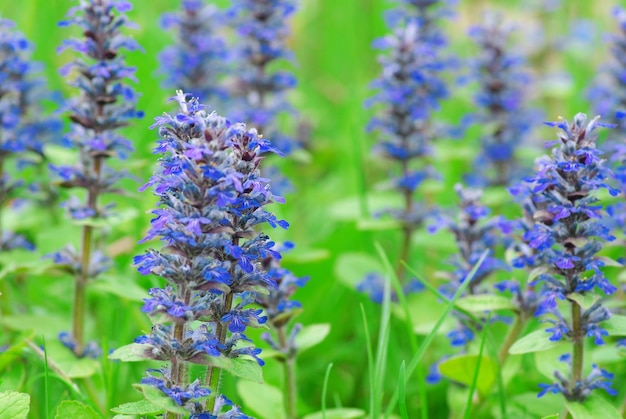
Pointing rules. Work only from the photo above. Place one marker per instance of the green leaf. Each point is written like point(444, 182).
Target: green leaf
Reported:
point(616, 325)
point(14, 405)
point(584, 301)
point(537, 272)
point(127, 290)
point(141, 407)
point(609, 262)
point(349, 208)
point(306, 255)
point(555, 416)
point(263, 399)
point(13, 374)
point(75, 409)
point(42, 324)
point(533, 406)
point(462, 368)
point(607, 354)
point(495, 196)
point(511, 368)
point(159, 399)
point(23, 262)
point(533, 342)
point(69, 363)
point(339, 413)
point(117, 218)
point(595, 406)
point(546, 362)
point(351, 268)
point(377, 224)
point(485, 302)
point(311, 335)
point(129, 353)
point(247, 369)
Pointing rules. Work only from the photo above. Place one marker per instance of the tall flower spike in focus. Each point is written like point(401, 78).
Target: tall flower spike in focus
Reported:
point(567, 235)
point(474, 231)
point(198, 55)
point(410, 89)
point(24, 130)
point(501, 100)
point(260, 91)
point(104, 105)
point(212, 202)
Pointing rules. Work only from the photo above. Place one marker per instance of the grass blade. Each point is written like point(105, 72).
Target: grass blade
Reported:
point(468, 407)
point(429, 338)
point(493, 346)
point(400, 293)
point(403, 412)
point(45, 382)
point(412, 337)
point(325, 388)
point(381, 351)
point(370, 357)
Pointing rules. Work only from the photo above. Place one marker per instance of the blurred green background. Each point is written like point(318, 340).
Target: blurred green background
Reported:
point(338, 185)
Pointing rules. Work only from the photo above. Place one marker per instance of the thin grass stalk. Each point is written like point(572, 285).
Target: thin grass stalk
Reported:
point(429, 338)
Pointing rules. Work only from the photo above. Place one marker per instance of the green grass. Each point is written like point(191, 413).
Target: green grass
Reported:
point(334, 65)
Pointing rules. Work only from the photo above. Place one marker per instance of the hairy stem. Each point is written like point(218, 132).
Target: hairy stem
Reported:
point(514, 333)
point(577, 341)
point(78, 326)
point(291, 393)
point(212, 379)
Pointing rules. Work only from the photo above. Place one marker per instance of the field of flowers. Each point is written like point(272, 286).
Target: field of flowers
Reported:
point(312, 209)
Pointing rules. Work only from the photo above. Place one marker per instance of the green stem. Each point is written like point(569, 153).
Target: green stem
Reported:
point(212, 379)
point(78, 326)
point(93, 396)
point(179, 368)
point(577, 341)
point(291, 393)
point(518, 326)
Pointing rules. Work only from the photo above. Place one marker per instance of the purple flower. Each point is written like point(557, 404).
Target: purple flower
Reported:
point(198, 55)
point(566, 229)
point(260, 93)
point(212, 200)
point(24, 128)
point(104, 104)
point(501, 98)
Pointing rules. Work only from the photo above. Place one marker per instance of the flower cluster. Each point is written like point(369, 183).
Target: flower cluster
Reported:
point(211, 201)
point(474, 231)
point(104, 105)
point(23, 129)
point(262, 27)
point(501, 99)
point(427, 13)
point(608, 96)
point(278, 305)
point(567, 235)
point(409, 90)
point(193, 62)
